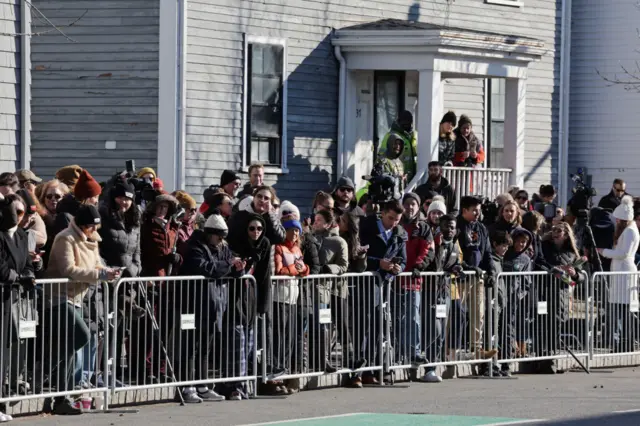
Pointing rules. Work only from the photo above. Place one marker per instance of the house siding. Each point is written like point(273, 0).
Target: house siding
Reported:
point(102, 88)
point(10, 125)
point(215, 81)
point(604, 128)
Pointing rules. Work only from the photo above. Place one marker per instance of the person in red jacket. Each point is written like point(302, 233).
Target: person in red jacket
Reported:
point(406, 306)
point(469, 150)
point(158, 238)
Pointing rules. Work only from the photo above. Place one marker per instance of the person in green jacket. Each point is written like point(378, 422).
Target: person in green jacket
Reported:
point(403, 128)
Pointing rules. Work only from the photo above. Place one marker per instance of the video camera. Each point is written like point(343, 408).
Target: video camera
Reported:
point(580, 203)
point(383, 187)
point(143, 186)
point(490, 209)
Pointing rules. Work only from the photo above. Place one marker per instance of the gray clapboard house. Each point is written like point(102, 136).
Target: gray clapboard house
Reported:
point(194, 87)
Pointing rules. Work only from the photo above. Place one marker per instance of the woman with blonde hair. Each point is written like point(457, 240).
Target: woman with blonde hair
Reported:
point(623, 289)
point(509, 218)
point(51, 193)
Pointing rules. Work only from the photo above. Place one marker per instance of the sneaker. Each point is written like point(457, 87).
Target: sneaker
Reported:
point(292, 386)
point(5, 417)
point(431, 377)
point(207, 394)
point(235, 396)
point(190, 396)
point(64, 407)
point(505, 372)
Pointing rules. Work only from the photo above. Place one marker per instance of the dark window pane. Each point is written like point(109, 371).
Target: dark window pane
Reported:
point(265, 109)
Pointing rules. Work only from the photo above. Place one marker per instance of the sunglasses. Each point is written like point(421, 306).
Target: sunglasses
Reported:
point(54, 196)
point(344, 189)
point(20, 212)
point(255, 228)
point(521, 197)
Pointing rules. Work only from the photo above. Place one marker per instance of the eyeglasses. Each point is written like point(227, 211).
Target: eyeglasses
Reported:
point(255, 228)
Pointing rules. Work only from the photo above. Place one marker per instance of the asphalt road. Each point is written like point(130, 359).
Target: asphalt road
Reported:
point(601, 398)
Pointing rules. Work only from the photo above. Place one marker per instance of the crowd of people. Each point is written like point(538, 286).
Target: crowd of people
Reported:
point(74, 227)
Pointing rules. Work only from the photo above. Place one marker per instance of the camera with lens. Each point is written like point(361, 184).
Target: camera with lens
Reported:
point(580, 203)
point(383, 187)
point(490, 209)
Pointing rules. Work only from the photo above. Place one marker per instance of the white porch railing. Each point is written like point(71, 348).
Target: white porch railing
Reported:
point(466, 181)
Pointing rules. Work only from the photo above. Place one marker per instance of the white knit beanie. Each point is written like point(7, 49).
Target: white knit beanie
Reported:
point(290, 209)
point(215, 224)
point(625, 210)
point(437, 204)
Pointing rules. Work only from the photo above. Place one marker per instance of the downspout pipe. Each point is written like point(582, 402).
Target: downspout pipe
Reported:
point(25, 85)
point(342, 99)
point(565, 82)
point(181, 95)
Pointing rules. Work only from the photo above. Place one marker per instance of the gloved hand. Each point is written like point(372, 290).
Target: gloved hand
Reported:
point(416, 273)
point(175, 259)
point(326, 269)
point(489, 282)
point(458, 271)
point(28, 282)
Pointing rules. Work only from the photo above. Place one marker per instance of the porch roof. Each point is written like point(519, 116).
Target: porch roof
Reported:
point(403, 36)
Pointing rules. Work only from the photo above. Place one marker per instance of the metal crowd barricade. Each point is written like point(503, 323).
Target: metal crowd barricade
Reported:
point(615, 318)
point(53, 343)
point(439, 320)
point(323, 324)
point(539, 316)
point(184, 331)
point(468, 181)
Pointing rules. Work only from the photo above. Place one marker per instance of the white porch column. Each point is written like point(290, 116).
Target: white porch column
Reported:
point(514, 121)
point(430, 103)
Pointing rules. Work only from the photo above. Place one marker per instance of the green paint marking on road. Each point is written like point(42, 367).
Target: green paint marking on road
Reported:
point(398, 420)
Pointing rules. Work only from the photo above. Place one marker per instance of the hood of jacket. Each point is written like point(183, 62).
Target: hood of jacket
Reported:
point(170, 199)
point(391, 154)
point(396, 128)
point(511, 253)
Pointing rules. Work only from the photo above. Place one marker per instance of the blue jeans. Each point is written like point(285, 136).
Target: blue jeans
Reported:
point(408, 322)
point(85, 365)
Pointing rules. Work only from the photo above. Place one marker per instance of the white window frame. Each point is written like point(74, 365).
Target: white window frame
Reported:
point(512, 3)
point(250, 39)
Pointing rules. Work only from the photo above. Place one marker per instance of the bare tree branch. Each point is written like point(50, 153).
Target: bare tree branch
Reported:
point(46, 21)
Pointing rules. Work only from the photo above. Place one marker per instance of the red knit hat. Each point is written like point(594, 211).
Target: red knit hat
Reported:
point(158, 184)
point(86, 187)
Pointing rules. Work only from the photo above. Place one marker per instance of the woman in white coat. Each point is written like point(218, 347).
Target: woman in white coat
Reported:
point(623, 289)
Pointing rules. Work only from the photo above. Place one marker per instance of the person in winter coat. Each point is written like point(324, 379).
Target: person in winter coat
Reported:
point(603, 227)
point(333, 254)
point(387, 255)
point(75, 255)
point(623, 289)
point(440, 185)
point(207, 254)
point(187, 222)
point(522, 198)
point(516, 299)
point(509, 218)
point(159, 238)
point(469, 150)
point(439, 327)
point(402, 129)
point(344, 195)
point(51, 194)
point(614, 197)
point(391, 163)
point(230, 183)
point(500, 243)
point(86, 191)
point(476, 249)
point(406, 296)
point(15, 269)
point(288, 261)
point(561, 254)
point(447, 139)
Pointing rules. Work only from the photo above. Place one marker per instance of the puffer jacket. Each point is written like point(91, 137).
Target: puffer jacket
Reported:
point(120, 247)
point(446, 148)
point(468, 144)
point(65, 212)
point(76, 257)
